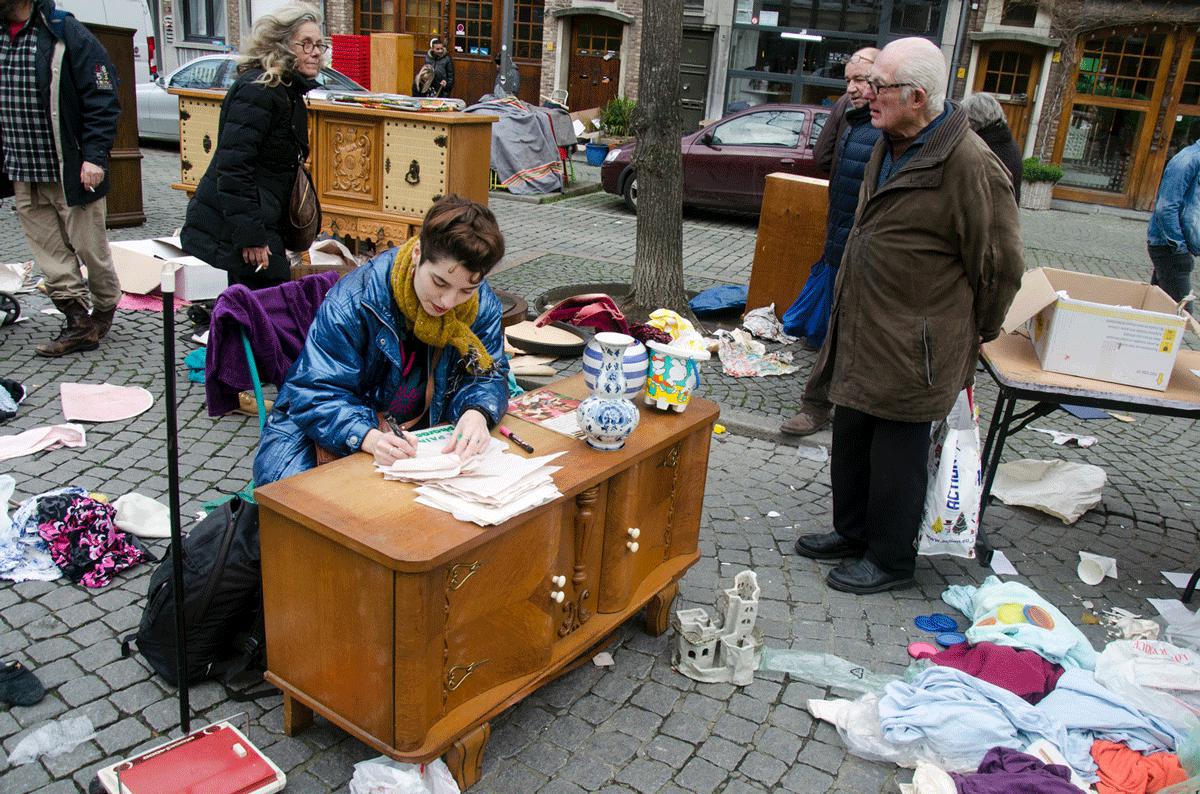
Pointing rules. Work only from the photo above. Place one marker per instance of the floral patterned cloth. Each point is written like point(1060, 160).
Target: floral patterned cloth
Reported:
point(84, 541)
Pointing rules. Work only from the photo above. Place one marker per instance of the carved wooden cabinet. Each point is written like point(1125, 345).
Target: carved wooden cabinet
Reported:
point(411, 630)
point(377, 172)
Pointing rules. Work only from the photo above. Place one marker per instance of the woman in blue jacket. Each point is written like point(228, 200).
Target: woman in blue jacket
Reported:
point(413, 334)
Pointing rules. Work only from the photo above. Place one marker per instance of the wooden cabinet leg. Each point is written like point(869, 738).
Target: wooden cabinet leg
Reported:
point(657, 614)
point(296, 715)
point(465, 756)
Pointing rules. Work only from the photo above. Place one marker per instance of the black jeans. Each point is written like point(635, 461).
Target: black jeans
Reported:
point(878, 469)
point(1172, 271)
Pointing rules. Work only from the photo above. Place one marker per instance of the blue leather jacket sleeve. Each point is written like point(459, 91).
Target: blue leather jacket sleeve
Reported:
point(490, 391)
point(322, 392)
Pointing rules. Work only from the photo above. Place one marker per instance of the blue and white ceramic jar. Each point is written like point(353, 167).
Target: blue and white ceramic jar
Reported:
point(607, 417)
point(636, 365)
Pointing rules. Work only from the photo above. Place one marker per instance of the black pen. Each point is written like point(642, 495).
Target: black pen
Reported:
point(513, 437)
point(394, 426)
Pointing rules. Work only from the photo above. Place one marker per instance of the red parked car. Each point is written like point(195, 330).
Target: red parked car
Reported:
point(726, 163)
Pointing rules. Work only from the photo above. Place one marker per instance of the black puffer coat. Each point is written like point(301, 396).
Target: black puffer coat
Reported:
point(240, 201)
point(999, 139)
point(443, 69)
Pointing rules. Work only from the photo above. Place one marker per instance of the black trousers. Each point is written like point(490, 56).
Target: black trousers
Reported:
point(878, 470)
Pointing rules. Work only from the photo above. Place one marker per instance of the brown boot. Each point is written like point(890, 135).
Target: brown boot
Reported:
point(78, 333)
point(805, 423)
point(103, 321)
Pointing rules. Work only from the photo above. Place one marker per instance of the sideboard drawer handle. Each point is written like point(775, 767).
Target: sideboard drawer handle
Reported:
point(413, 177)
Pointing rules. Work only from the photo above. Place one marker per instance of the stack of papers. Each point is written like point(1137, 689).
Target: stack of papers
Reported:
point(487, 489)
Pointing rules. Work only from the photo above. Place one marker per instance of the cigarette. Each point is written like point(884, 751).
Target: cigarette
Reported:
point(259, 268)
point(89, 189)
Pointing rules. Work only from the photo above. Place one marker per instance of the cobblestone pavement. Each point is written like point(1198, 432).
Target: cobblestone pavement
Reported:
point(636, 726)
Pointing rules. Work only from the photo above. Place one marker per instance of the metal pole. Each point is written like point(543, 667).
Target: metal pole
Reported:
point(506, 36)
point(168, 302)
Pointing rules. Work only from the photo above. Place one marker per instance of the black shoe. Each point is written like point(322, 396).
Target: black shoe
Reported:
point(863, 577)
point(827, 546)
point(18, 686)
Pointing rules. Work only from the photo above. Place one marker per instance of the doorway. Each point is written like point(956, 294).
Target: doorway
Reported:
point(595, 63)
point(1010, 71)
point(694, 60)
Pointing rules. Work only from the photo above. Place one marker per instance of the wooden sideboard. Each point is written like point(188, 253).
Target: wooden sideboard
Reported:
point(124, 201)
point(377, 171)
point(411, 630)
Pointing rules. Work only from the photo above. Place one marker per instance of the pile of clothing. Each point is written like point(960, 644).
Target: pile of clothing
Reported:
point(1026, 704)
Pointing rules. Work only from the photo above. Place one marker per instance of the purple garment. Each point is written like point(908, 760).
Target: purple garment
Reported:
point(276, 320)
point(1007, 771)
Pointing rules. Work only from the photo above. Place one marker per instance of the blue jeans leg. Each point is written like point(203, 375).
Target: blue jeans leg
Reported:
point(1172, 271)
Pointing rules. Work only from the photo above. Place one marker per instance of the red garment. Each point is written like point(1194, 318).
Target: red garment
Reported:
point(1024, 673)
point(1125, 771)
point(593, 310)
point(14, 28)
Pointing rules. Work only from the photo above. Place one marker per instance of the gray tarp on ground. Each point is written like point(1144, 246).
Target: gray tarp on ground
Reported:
point(524, 152)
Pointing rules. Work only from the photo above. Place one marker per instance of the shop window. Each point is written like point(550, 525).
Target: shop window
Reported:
point(528, 16)
point(848, 16)
point(917, 17)
point(473, 27)
point(204, 21)
point(376, 16)
point(423, 17)
point(746, 92)
point(1191, 80)
point(1099, 148)
point(1019, 13)
point(828, 57)
point(1122, 65)
point(763, 51)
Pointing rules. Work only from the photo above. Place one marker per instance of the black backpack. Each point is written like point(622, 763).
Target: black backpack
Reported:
point(222, 597)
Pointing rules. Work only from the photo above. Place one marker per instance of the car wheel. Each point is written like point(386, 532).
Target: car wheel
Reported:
point(630, 193)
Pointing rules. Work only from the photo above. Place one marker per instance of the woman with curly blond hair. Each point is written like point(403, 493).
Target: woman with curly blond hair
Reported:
point(233, 220)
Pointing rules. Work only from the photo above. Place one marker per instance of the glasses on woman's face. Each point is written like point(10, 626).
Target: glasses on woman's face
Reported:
point(310, 47)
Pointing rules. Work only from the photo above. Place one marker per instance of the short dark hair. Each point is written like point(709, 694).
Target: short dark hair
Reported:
point(462, 230)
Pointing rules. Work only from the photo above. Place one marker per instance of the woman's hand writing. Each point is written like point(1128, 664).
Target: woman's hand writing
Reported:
point(470, 436)
point(387, 448)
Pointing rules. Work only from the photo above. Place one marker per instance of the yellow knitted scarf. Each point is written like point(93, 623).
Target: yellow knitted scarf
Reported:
point(452, 328)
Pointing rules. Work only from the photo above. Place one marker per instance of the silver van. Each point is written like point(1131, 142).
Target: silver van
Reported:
point(122, 14)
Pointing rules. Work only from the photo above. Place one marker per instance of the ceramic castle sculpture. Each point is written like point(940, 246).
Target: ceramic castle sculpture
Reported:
point(728, 648)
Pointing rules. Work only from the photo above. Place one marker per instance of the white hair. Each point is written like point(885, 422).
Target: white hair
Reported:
point(982, 110)
point(270, 44)
point(920, 62)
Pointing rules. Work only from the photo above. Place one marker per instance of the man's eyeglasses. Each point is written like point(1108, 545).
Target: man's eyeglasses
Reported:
point(860, 59)
point(310, 47)
point(879, 87)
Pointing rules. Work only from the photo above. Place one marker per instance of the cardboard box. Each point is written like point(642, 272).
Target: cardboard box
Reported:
point(139, 266)
point(1096, 327)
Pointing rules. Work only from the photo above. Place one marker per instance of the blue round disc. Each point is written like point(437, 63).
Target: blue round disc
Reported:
point(946, 639)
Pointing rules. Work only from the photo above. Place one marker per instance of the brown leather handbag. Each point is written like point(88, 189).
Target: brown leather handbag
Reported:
point(302, 220)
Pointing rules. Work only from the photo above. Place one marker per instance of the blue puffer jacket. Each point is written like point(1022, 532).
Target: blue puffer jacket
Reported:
point(850, 162)
point(1176, 218)
point(351, 367)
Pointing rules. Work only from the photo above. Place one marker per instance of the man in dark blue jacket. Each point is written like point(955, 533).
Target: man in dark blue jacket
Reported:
point(848, 155)
point(58, 120)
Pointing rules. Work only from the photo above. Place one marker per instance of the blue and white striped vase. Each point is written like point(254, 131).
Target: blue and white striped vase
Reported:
point(637, 365)
point(608, 416)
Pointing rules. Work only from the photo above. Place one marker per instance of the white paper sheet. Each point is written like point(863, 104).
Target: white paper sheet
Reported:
point(1001, 564)
point(1174, 610)
point(1180, 580)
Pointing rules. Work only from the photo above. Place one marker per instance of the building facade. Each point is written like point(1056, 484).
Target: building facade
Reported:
point(1109, 91)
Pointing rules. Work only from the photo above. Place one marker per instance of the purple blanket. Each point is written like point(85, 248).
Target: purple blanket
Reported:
point(275, 319)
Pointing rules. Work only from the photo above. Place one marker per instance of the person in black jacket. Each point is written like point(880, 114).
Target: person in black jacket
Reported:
point(58, 121)
point(233, 220)
point(987, 119)
point(442, 64)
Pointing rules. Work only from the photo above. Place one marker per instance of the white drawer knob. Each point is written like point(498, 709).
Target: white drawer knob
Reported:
point(635, 533)
point(559, 581)
point(632, 546)
point(557, 596)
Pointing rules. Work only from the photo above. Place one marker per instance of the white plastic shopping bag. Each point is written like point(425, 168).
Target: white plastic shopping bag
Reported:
point(951, 519)
point(382, 775)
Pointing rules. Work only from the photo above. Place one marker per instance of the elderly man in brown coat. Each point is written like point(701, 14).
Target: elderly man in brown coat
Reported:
point(930, 268)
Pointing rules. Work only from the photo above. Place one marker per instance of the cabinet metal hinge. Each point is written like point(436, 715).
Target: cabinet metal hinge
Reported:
point(440, 140)
point(185, 165)
point(184, 115)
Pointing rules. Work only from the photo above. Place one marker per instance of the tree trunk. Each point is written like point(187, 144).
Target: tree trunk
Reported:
point(658, 162)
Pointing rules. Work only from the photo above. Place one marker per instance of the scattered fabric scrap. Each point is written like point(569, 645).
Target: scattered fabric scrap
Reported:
point(719, 299)
point(24, 555)
point(1159, 678)
point(12, 394)
point(142, 516)
point(84, 541)
point(103, 402)
point(195, 363)
point(763, 323)
point(1024, 673)
point(146, 303)
point(1129, 626)
point(1125, 771)
point(744, 357)
point(1007, 771)
point(683, 333)
point(1011, 614)
point(1064, 490)
point(52, 739)
point(1061, 439)
point(42, 438)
